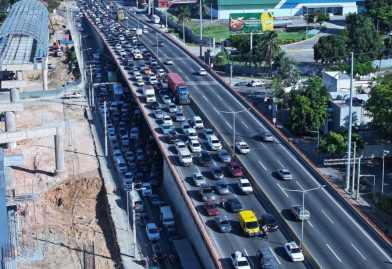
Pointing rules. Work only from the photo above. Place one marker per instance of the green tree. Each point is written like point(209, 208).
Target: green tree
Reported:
point(362, 38)
point(221, 58)
point(380, 11)
point(183, 15)
point(384, 16)
point(379, 106)
point(330, 49)
point(333, 143)
point(270, 47)
point(288, 71)
point(205, 6)
point(359, 68)
point(322, 17)
point(308, 107)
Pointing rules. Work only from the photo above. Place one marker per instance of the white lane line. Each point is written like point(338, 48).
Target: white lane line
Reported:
point(276, 257)
point(248, 257)
point(282, 190)
point(220, 98)
point(358, 251)
point(327, 216)
point(245, 124)
point(197, 168)
point(281, 165)
point(334, 253)
point(311, 225)
point(205, 98)
point(229, 125)
point(262, 166)
point(299, 185)
point(216, 110)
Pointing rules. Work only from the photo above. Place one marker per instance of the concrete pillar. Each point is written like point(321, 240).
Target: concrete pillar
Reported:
point(10, 127)
point(15, 97)
point(45, 79)
point(59, 152)
point(19, 75)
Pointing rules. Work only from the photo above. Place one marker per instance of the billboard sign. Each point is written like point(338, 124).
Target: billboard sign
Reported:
point(251, 22)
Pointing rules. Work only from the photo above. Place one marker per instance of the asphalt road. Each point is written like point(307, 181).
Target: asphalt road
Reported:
point(332, 236)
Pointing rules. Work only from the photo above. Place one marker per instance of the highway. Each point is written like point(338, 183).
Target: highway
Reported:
point(332, 236)
point(225, 243)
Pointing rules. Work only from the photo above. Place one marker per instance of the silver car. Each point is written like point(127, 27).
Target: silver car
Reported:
point(199, 179)
point(223, 224)
point(206, 192)
point(300, 213)
point(224, 156)
point(285, 174)
point(222, 187)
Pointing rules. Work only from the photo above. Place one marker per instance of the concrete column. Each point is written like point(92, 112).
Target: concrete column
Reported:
point(59, 152)
point(19, 75)
point(10, 127)
point(15, 97)
point(45, 79)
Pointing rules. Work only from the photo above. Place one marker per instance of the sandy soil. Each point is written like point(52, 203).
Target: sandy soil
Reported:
point(67, 219)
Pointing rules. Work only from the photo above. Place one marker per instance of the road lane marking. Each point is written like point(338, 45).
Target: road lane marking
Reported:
point(248, 257)
point(216, 110)
point(229, 125)
point(299, 185)
point(262, 166)
point(311, 225)
point(276, 257)
point(245, 124)
point(280, 164)
point(205, 97)
point(282, 189)
point(220, 98)
point(327, 216)
point(358, 251)
point(334, 253)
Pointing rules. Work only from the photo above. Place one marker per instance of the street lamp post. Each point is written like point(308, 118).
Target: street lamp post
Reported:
point(201, 28)
point(234, 114)
point(374, 188)
point(303, 206)
point(384, 153)
point(105, 128)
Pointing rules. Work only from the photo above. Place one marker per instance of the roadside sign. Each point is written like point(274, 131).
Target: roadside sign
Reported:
point(251, 22)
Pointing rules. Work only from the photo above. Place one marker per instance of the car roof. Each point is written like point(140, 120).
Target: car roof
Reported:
point(243, 180)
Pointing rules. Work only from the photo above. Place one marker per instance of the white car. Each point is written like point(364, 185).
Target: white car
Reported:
point(214, 143)
point(294, 252)
point(167, 120)
point(191, 133)
point(194, 145)
point(137, 75)
point(168, 61)
point(185, 127)
point(152, 80)
point(172, 108)
point(166, 128)
point(242, 147)
point(152, 231)
point(196, 122)
point(207, 132)
point(158, 113)
point(202, 72)
point(244, 186)
point(161, 72)
point(180, 116)
point(134, 133)
point(199, 179)
point(140, 82)
point(166, 100)
point(180, 145)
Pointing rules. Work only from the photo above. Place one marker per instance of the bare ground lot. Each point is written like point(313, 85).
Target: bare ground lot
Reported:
point(67, 220)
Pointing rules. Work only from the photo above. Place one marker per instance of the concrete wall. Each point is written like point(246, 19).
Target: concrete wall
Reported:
point(184, 217)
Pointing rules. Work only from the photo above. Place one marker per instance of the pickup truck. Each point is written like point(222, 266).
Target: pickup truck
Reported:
point(239, 261)
point(72, 95)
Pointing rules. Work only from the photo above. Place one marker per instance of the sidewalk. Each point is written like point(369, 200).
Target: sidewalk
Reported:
point(122, 231)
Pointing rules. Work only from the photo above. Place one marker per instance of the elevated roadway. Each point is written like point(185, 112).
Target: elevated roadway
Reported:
point(333, 237)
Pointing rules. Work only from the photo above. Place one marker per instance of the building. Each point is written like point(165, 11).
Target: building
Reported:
point(336, 81)
point(284, 8)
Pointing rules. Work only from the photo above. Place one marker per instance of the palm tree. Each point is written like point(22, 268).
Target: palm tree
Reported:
point(205, 6)
point(183, 15)
point(271, 47)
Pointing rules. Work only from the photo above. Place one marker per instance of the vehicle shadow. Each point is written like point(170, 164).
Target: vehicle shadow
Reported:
point(282, 253)
point(212, 225)
point(287, 215)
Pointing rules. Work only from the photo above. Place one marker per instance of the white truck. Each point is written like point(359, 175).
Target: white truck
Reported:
point(72, 95)
point(149, 93)
point(239, 261)
point(155, 19)
point(139, 31)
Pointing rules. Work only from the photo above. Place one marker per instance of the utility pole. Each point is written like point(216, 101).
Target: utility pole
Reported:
point(385, 152)
point(211, 11)
point(231, 72)
point(136, 255)
point(128, 210)
point(251, 41)
point(350, 123)
point(358, 177)
point(201, 28)
point(157, 45)
point(355, 158)
point(105, 128)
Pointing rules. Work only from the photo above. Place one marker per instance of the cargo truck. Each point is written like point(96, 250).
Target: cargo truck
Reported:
point(149, 93)
point(121, 14)
point(178, 89)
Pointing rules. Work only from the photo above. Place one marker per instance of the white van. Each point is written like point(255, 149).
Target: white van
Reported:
point(166, 216)
point(121, 165)
point(255, 83)
point(136, 201)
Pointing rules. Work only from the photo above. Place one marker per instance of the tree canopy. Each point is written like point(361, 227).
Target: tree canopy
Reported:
point(330, 49)
point(381, 12)
point(308, 107)
point(379, 106)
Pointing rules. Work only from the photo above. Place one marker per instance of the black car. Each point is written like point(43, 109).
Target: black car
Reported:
point(265, 259)
point(173, 137)
point(205, 158)
point(154, 105)
point(233, 204)
point(157, 250)
point(270, 221)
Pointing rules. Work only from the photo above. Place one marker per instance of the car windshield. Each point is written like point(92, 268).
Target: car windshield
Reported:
point(236, 166)
point(244, 146)
point(252, 225)
point(211, 206)
point(196, 144)
point(242, 264)
point(224, 222)
point(153, 231)
point(268, 261)
point(199, 178)
point(286, 173)
point(207, 190)
point(222, 185)
point(246, 184)
point(296, 250)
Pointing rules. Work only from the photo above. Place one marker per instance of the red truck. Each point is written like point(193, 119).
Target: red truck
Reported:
point(178, 88)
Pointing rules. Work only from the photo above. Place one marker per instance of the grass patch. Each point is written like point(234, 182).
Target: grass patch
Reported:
point(296, 36)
